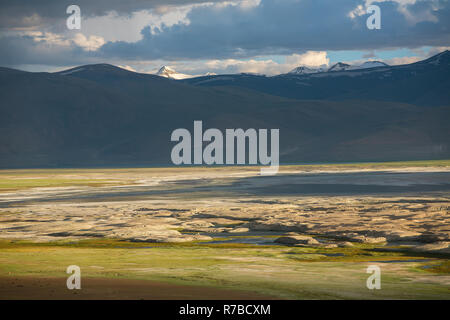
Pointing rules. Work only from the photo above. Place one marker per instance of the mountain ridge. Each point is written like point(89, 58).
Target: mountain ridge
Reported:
point(168, 72)
point(423, 83)
point(102, 115)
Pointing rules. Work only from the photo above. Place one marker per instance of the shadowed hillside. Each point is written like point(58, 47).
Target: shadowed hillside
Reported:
point(103, 115)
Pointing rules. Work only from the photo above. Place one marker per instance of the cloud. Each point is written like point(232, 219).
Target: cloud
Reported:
point(116, 27)
point(48, 38)
point(370, 54)
point(286, 27)
point(46, 48)
point(402, 60)
point(414, 11)
point(237, 33)
point(90, 43)
point(309, 59)
point(17, 13)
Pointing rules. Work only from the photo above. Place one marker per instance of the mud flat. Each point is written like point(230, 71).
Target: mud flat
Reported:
point(308, 232)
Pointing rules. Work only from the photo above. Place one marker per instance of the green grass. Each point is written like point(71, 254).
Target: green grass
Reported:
point(270, 270)
point(374, 165)
point(357, 253)
point(25, 183)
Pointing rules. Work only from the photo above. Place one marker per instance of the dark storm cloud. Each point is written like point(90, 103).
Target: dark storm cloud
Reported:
point(277, 27)
point(273, 27)
point(18, 50)
point(29, 13)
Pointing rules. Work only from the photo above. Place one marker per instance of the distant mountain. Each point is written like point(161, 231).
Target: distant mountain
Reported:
point(423, 83)
point(366, 65)
point(372, 64)
point(307, 70)
point(92, 69)
point(170, 73)
point(337, 67)
point(340, 67)
point(99, 115)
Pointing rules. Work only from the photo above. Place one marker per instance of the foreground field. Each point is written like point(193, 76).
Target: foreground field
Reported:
point(309, 232)
point(246, 271)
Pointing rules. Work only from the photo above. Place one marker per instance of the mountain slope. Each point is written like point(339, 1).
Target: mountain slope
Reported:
point(340, 67)
point(372, 64)
point(103, 115)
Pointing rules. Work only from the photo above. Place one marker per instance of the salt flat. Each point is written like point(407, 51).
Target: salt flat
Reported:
point(394, 205)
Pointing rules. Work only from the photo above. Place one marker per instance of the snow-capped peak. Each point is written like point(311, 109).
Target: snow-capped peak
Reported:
point(166, 70)
point(340, 66)
point(170, 73)
point(306, 70)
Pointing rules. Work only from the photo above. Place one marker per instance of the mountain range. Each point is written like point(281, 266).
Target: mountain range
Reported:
point(168, 72)
point(422, 83)
point(102, 115)
point(338, 67)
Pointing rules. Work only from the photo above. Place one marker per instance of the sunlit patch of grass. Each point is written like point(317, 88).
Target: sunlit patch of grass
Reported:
point(358, 253)
point(273, 270)
point(122, 244)
point(8, 184)
point(372, 165)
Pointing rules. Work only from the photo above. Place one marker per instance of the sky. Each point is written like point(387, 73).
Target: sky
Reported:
point(200, 36)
